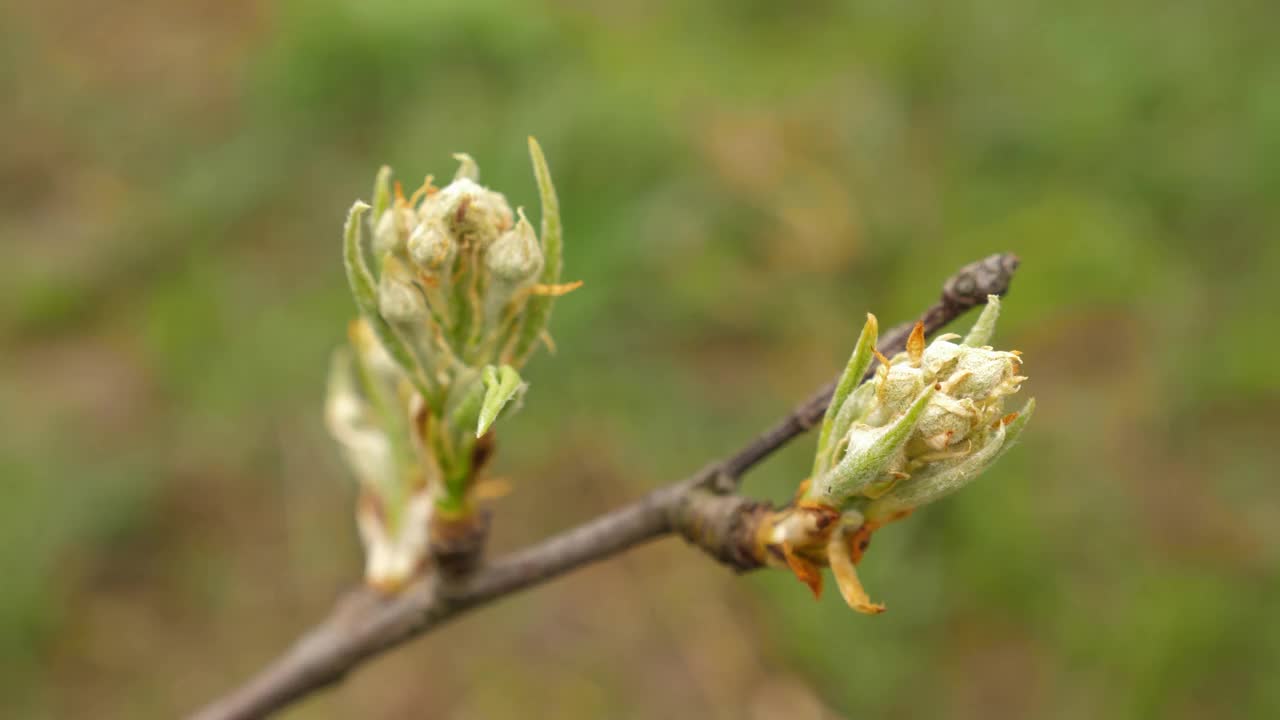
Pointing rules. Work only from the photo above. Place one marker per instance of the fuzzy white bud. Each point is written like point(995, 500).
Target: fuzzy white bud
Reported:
point(516, 256)
point(392, 230)
point(432, 247)
point(399, 298)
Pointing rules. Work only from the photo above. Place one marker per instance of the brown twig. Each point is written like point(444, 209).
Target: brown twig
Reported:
point(365, 623)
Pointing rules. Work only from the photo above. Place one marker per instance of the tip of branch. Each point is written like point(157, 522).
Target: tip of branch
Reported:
point(972, 284)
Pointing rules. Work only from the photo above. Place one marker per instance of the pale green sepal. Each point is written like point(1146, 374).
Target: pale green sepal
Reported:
point(552, 245)
point(859, 361)
point(381, 192)
point(985, 326)
point(1014, 429)
point(363, 286)
point(538, 310)
point(853, 410)
point(365, 291)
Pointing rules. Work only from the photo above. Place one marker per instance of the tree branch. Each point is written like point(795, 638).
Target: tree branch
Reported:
point(365, 623)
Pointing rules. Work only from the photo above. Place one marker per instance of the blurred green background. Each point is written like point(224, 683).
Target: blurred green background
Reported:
point(741, 181)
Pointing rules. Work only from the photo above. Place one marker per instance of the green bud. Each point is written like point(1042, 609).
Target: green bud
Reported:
point(985, 326)
point(443, 281)
point(834, 423)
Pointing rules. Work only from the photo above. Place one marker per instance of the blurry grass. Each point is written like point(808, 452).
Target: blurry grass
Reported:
point(741, 181)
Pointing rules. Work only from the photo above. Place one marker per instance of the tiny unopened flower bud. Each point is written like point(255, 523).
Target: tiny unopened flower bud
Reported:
point(945, 422)
point(516, 256)
point(941, 354)
point(432, 247)
point(392, 230)
point(897, 386)
point(471, 212)
point(399, 298)
point(983, 373)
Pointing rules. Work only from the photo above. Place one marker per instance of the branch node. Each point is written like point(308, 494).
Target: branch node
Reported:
point(723, 526)
point(457, 544)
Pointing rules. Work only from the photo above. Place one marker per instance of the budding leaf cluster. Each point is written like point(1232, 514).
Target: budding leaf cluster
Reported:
point(928, 422)
point(454, 291)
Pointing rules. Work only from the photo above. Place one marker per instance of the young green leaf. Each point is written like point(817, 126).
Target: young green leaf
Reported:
point(365, 291)
point(539, 308)
point(864, 462)
point(857, 366)
point(985, 326)
point(381, 192)
point(501, 385)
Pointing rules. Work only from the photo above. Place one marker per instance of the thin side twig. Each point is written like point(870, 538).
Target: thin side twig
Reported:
point(365, 623)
